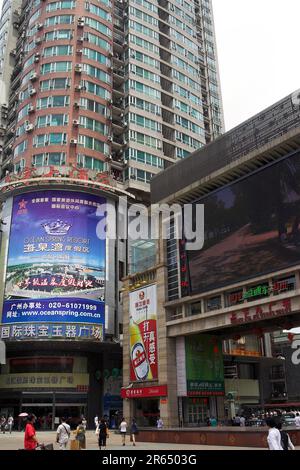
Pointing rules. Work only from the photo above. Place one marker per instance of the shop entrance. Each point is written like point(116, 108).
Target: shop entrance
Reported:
point(146, 412)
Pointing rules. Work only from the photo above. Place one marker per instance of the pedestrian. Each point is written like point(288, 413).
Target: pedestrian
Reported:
point(213, 422)
point(242, 421)
point(80, 435)
point(30, 439)
point(10, 423)
point(159, 423)
point(96, 421)
point(286, 442)
point(123, 430)
point(63, 434)
point(133, 430)
point(297, 420)
point(3, 424)
point(274, 437)
point(103, 431)
point(84, 422)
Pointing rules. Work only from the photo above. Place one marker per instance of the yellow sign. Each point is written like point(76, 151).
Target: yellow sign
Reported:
point(44, 380)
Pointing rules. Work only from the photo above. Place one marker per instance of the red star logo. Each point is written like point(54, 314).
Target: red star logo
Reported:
point(22, 204)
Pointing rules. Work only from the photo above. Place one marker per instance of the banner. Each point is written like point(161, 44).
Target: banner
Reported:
point(143, 334)
point(56, 262)
point(204, 366)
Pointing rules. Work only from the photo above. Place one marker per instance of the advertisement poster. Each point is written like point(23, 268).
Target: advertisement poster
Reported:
point(204, 366)
point(56, 262)
point(143, 334)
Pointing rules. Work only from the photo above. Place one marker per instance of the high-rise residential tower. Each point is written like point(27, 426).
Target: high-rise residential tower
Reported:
point(124, 86)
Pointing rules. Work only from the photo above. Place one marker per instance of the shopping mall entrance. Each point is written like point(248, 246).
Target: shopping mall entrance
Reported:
point(146, 411)
point(49, 407)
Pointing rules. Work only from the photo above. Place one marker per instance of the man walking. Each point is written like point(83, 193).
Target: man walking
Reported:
point(63, 434)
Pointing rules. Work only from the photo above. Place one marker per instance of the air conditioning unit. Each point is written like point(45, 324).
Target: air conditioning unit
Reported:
point(76, 104)
point(125, 142)
point(78, 68)
point(32, 92)
point(29, 128)
point(78, 88)
point(80, 22)
point(109, 138)
point(39, 26)
point(37, 58)
point(38, 41)
point(73, 141)
point(33, 76)
point(125, 124)
point(30, 108)
point(125, 44)
point(75, 122)
point(79, 51)
point(80, 39)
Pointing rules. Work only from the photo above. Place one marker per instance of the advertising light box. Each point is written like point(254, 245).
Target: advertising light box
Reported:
point(56, 262)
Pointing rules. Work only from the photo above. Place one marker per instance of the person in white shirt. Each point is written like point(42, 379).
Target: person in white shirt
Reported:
point(242, 421)
point(10, 423)
point(159, 423)
point(123, 430)
point(274, 436)
point(297, 420)
point(63, 434)
point(96, 421)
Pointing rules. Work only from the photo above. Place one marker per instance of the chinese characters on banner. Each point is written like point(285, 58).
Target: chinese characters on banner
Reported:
point(51, 331)
point(56, 262)
point(143, 334)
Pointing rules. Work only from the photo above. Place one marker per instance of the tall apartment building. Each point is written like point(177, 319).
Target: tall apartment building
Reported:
point(9, 24)
point(121, 86)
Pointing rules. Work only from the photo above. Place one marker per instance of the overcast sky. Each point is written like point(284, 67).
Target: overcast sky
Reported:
point(258, 48)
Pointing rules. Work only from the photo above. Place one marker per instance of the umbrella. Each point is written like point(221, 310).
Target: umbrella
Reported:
point(23, 415)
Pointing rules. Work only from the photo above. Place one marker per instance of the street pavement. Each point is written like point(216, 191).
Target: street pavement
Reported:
point(15, 441)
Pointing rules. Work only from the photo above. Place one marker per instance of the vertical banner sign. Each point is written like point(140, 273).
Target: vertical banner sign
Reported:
point(56, 262)
point(143, 334)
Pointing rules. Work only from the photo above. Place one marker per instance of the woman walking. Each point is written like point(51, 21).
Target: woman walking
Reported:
point(103, 430)
point(133, 430)
point(123, 430)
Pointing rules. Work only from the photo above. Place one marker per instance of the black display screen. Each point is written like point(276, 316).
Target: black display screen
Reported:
point(251, 228)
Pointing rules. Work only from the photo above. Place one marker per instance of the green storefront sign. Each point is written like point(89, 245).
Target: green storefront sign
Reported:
point(204, 366)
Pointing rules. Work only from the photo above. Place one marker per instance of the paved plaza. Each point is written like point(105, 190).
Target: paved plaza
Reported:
point(15, 440)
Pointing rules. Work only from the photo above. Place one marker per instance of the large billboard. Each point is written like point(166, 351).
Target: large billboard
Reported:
point(251, 228)
point(56, 262)
point(204, 366)
point(143, 334)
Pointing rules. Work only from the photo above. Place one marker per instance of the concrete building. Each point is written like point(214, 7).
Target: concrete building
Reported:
point(9, 23)
point(128, 87)
point(216, 306)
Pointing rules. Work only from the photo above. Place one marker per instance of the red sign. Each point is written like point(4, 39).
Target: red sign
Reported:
point(271, 310)
point(146, 392)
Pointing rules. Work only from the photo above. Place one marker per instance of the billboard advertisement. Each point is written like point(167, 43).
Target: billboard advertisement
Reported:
point(204, 366)
point(56, 263)
point(251, 228)
point(143, 334)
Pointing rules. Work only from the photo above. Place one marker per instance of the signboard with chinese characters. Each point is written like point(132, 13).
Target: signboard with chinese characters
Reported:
point(55, 331)
point(204, 366)
point(56, 262)
point(262, 312)
point(146, 392)
point(143, 334)
point(49, 380)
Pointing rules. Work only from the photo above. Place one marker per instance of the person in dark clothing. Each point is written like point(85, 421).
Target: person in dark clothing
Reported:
point(286, 442)
point(133, 430)
point(102, 433)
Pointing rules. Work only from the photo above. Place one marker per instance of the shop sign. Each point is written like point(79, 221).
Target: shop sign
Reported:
point(202, 388)
point(253, 314)
point(146, 392)
point(51, 331)
point(43, 380)
point(143, 334)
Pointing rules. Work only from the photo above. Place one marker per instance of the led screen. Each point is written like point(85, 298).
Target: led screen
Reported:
point(251, 228)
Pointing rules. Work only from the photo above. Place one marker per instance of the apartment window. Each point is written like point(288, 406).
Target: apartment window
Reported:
point(54, 84)
point(234, 298)
point(20, 148)
point(145, 74)
point(95, 10)
point(90, 163)
point(100, 27)
point(92, 143)
point(58, 34)
point(214, 303)
point(66, 4)
point(93, 106)
point(28, 62)
point(145, 140)
point(96, 73)
point(97, 56)
point(145, 89)
point(54, 138)
point(144, 157)
point(52, 120)
point(61, 19)
point(92, 38)
point(53, 101)
point(19, 166)
point(283, 284)
point(56, 67)
point(58, 50)
point(93, 125)
point(146, 45)
point(96, 90)
point(52, 158)
point(23, 112)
